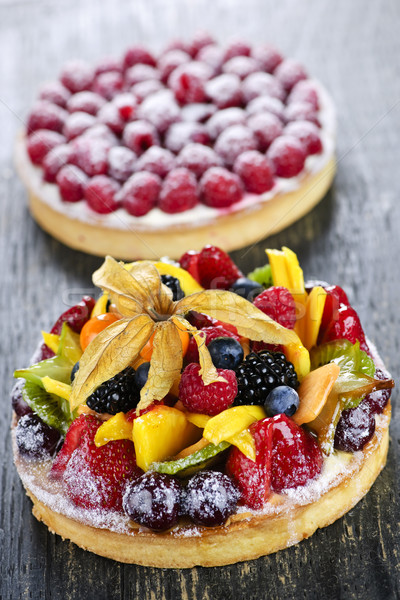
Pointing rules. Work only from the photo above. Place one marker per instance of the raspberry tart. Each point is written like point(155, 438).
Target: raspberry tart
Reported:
point(195, 416)
point(149, 155)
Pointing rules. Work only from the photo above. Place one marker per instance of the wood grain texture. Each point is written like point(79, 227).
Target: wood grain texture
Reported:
point(351, 238)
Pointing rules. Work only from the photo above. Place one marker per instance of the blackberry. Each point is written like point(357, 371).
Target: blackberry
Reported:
point(260, 373)
point(118, 394)
point(174, 286)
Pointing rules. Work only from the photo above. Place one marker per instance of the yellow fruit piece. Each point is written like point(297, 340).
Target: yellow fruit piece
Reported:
point(229, 422)
point(197, 419)
point(70, 345)
point(52, 386)
point(116, 428)
point(314, 311)
point(245, 442)
point(295, 272)
point(188, 284)
point(314, 391)
point(100, 307)
point(300, 357)
point(52, 340)
point(280, 275)
point(160, 434)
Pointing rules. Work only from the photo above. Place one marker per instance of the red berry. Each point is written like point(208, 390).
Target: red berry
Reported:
point(266, 104)
point(223, 119)
point(55, 92)
point(100, 194)
point(188, 82)
point(224, 91)
point(278, 303)
point(159, 161)
point(233, 141)
point(77, 76)
point(54, 160)
point(179, 191)
point(211, 332)
point(108, 84)
point(71, 182)
point(290, 72)
point(145, 88)
point(110, 116)
point(220, 188)
point(77, 123)
point(139, 136)
point(304, 91)
point(255, 171)
point(170, 61)
point(76, 316)
point(90, 155)
point(181, 134)
point(87, 102)
point(198, 112)
point(126, 105)
point(108, 63)
point(217, 269)
point(189, 262)
point(307, 133)
point(46, 115)
point(287, 155)
point(266, 128)
point(140, 193)
point(213, 56)
point(41, 142)
point(267, 57)
point(160, 109)
point(139, 73)
point(301, 111)
point(201, 40)
point(241, 66)
point(262, 84)
point(138, 54)
point(207, 399)
point(121, 163)
point(103, 133)
point(200, 321)
point(237, 48)
point(346, 327)
point(198, 158)
point(82, 428)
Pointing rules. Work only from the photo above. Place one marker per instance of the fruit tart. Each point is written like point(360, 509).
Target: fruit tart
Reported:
point(148, 155)
point(193, 415)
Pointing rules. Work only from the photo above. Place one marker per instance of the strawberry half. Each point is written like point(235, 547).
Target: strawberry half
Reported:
point(82, 427)
point(216, 269)
point(336, 298)
point(346, 326)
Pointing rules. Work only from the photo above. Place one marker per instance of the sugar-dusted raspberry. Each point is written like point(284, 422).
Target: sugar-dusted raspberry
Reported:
point(217, 270)
point(242, 66)
point(304, 91)
point(139, 73)
point(170, 61)
point(255, 171)
point(126, 105)
point(233, 141)
point(160, 109)
point(287, 155)
point(77, 76)
point(237, 48)
point(156, 160)
point(140, 193)
point(262, 84)
point(177, 44)
point(41, 142)
point(188, 82)
point(109, 63)
point(179, 191)
point(263, 104)
point(198, 158)
point(211, 332)
point(185, 132)
point(101, 132)
point(213, 56)
point(224, 91)
point(307, 133)
point(206, 399)
point(71, 182)
point(223, 119)
point(266, 127)
point(145, 88)
point(121, 163)
point(278, 303)
point(290, 72)
point(76, 123)
point(109, 115)
point(220, 188)
point(197, 112)
point(45, 115)
point(301, 111)
point(138, 54)
point(108, 84)
point(267, 57)
point(90, 155)
point(55, 92)
point(200, 40)
point(139, 136)
point(54, 160)
point(100, 194)
point(87, 102)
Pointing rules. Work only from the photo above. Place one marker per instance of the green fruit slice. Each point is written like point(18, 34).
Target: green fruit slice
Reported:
point(56, 367)
point(348, 356)
point(53, 410)
point(262, 275)
point(185, 466)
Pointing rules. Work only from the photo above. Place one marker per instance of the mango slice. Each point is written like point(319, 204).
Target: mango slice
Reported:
point(230, 422)
point(116, 428)
point(100, 307)
point(52, 386)
point(313, 317)
point(300, 357)
point(314, 391)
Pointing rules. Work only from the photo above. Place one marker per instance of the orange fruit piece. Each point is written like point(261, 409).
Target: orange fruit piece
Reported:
point(314, 391)
point(94, 326)
point(147, 349)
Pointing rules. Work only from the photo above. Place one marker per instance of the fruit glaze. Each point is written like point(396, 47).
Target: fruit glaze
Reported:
point(175, 142)
point(194, 415)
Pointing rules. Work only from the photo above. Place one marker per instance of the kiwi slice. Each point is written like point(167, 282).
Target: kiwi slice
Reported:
point(184, 467)
point(57, 367)
point(52, 409)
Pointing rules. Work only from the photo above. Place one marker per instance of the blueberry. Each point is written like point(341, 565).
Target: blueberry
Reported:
point(282, 399)
point(246, 288)
point(74, 370)
point(142, 373)
point(226, 353)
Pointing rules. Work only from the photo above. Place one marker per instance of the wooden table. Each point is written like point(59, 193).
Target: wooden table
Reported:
point(352, 238)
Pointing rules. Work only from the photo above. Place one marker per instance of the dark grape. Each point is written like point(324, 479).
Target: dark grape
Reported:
point(355, 428)
point(35, 439)
point(20, 407)
point(211, 497)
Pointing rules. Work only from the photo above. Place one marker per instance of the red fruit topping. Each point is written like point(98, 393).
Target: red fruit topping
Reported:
point(109, 63)
point(207, 399)
point(304, 91)
point(170, 61)
point(41, 142)
point(76, 316)
point(55, 92)
point(223, 119)
point(266, 128)
point(100, 194)
point(267, 57)
point(156, 160)
point(140, 193)
point(301, 111)
point(108, 84)
point(290, 72)
point(121, 163)
point(241, 66)
point(46, 115)
point(54, 160)
point(233, 141)
point(181, 134)
point(187, 82)
point(307, 133)
point(87, 102)
point(77, 123)
point(377, 401)
point(220, 188)
point(201, 40)
point(139, 73)
point(101, 132)
point(224, 91)
point(253, 477)
point(237, 48)
point(213, 56)
point(179, 191)
point(296, 456)
point(145, 88)
point(211, 332)
point(262, 84)
point(255, 171)
point(287, 155)
point(138, 54)
point(177, 44)
point(160, 109)
point(90, 155)
point(77, 76)
point(197, 112)
point(198, 158)
point(139, 136)
point(278, 303)
point(126, 105)
point(200, 321)
point(81, 429)
point(336, 298)
point(189, 262)
point(71, 182)
point(266, 104)
point(346, 327)
point(110, 116)
point(216, 268)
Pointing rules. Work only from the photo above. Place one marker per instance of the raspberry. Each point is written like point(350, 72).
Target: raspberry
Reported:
point(126, 105)
point(301, 111)
point(103, 133)
point(262, 84)
point(219, 188)
point(170, 61)
point(187, 82)
point(201, 40)
point(77, 76)
point(346, 327)
point(90, 155)
point(290, 72)
point(139, 73)
point(55, 92)
point(217, 269)
point(255, 171)
point(266, 104)
point(287, 155)
point(118, 394)
point(179, 191)
point(189, 262)
point(145, 88)
point(177, 45)
point(87, 102)
point(138, 54)
point(71, 182)
point(108, 84)
point(223, 119)
point(335, 299)
point(233, 141)
point(121, 163)
point(54, 160)
point(156, 160)
point(110, 116)
point(140, 193)
point(237, 48)
point(278, 303)
point(100, 194)
point(139, 136)
point(241, 66)
point(206, 399)
point(198, 158)
point(266, 128)
point(77, 123)
point(108, 63)
point(224, 91)
point(213, 56)
point(160, 109)
point(41, 142)
point(267, 57)
point(181, 134)
point(46, 115)
point(211, 332)
point(304, 91)
point(307, 133)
